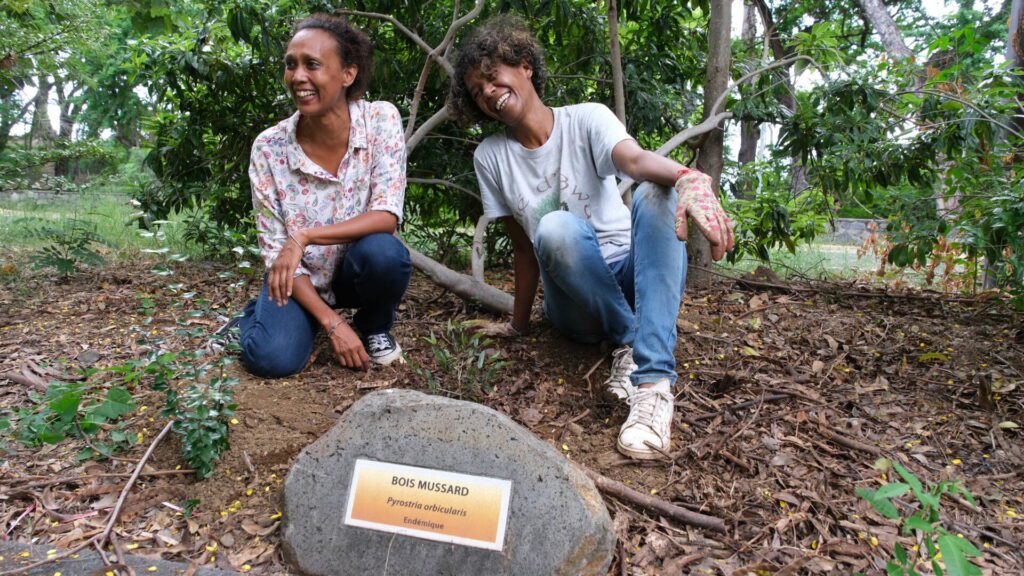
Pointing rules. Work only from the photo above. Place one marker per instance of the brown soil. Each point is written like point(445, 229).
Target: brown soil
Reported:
point(787, 398)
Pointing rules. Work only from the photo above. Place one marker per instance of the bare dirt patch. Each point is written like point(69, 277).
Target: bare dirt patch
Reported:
point(787, 398)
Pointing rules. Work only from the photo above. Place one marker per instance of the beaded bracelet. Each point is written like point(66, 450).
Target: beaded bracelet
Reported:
point(334, 327)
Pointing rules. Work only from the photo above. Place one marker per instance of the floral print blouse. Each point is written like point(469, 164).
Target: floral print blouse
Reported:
point(290, 192)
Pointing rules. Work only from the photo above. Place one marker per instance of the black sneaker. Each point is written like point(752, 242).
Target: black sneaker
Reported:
point(382, 348)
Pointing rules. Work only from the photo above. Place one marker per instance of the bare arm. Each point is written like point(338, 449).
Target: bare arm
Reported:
point(346, 344)
point(645, 166)
point(281, 276)
point(702, 207)
point(350, 230)
point(527, 275)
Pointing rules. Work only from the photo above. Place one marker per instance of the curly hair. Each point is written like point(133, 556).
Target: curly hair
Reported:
point(501, 39)
point(354, 47)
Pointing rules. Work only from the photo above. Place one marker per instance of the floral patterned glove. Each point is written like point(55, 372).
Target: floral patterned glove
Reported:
point(698, 201)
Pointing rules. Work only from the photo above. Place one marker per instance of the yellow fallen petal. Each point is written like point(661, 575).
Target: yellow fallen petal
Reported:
point(152, 568)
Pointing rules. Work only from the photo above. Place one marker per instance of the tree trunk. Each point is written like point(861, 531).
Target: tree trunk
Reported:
point(66, 123)
point(616, 56)
point(1015, 47)
point(882, 22)
point(710, 160)
point(10, 114)
point(41, 131)
point(750, 131)
point(797, 171)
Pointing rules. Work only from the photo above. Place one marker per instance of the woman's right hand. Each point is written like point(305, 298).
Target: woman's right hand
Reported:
point(348, 347)
point(282, 272)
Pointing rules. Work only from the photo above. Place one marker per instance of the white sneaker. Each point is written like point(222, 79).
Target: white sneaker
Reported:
point(650, 420)
point(618, 382)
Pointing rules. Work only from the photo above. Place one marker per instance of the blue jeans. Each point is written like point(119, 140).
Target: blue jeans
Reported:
point(277, 340)
point(632, 301)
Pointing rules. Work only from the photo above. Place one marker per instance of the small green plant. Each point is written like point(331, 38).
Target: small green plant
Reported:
point(466, 363)
point(203, 416)
point(953, 550)
point(69, 245)
point(75, 409)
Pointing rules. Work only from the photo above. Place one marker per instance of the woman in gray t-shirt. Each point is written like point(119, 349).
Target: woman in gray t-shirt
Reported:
point(609, 273)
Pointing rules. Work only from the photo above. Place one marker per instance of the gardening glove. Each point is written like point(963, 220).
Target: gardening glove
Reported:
point(698, 201)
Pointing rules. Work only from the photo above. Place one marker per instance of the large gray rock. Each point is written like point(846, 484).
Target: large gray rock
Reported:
point(557, 523)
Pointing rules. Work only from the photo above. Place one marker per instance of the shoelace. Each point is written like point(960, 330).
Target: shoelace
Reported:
point(645, 404)
point(378, 342)
point(622, 363)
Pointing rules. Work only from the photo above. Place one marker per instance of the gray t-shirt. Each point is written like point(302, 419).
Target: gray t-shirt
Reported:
point(572, 171)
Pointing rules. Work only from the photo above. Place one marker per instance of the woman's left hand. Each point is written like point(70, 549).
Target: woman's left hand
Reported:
point(282, 273)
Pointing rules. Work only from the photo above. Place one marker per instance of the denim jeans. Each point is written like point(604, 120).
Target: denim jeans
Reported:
point(277, 340)
point(632, 301)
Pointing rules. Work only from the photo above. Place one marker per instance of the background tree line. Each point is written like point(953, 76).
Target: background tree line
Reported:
point(880, 109)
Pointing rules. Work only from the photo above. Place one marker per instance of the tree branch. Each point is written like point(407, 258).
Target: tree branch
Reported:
point(965, 102)
point(404, 30)
point(441, 182)
point(417, 95)
point(716, 117)
point(461, 285)
point(434, 121)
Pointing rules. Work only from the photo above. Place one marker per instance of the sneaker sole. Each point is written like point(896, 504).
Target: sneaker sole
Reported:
point(389, 357)
point(645, 454)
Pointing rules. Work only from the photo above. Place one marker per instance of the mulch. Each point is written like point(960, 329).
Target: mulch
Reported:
point(790, 398)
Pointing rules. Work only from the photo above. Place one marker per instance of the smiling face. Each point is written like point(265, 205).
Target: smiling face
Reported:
point(315, 74)
point(505, 93)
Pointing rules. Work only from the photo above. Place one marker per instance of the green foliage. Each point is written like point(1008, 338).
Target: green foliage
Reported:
point(79, 410)
point(200, 405)
point(925, 524)
point(202, 420)
point(775, 217)
point(17, 164)
point(886, 137)
point(466, 364)
point(70, 244)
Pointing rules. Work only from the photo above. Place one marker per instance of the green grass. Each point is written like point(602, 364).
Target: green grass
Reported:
point(112, 215)
point(817, 260)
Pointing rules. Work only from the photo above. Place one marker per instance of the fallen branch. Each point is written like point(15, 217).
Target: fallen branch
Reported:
point(738, 406)
point(851, 443)
point(461, 285)
point(657, 505)
point(25, 379)
point(101, 539)
point(81, 479)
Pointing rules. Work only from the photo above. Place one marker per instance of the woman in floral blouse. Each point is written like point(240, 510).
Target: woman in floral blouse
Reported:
point(328, 185)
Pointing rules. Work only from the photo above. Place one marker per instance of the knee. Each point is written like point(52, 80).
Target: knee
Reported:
point(274, 355)
point(558, 234)
point(655, 199)
point(381, 257)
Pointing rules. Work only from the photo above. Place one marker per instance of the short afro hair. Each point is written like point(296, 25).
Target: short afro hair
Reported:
point(354, 47)
point(501, 39)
